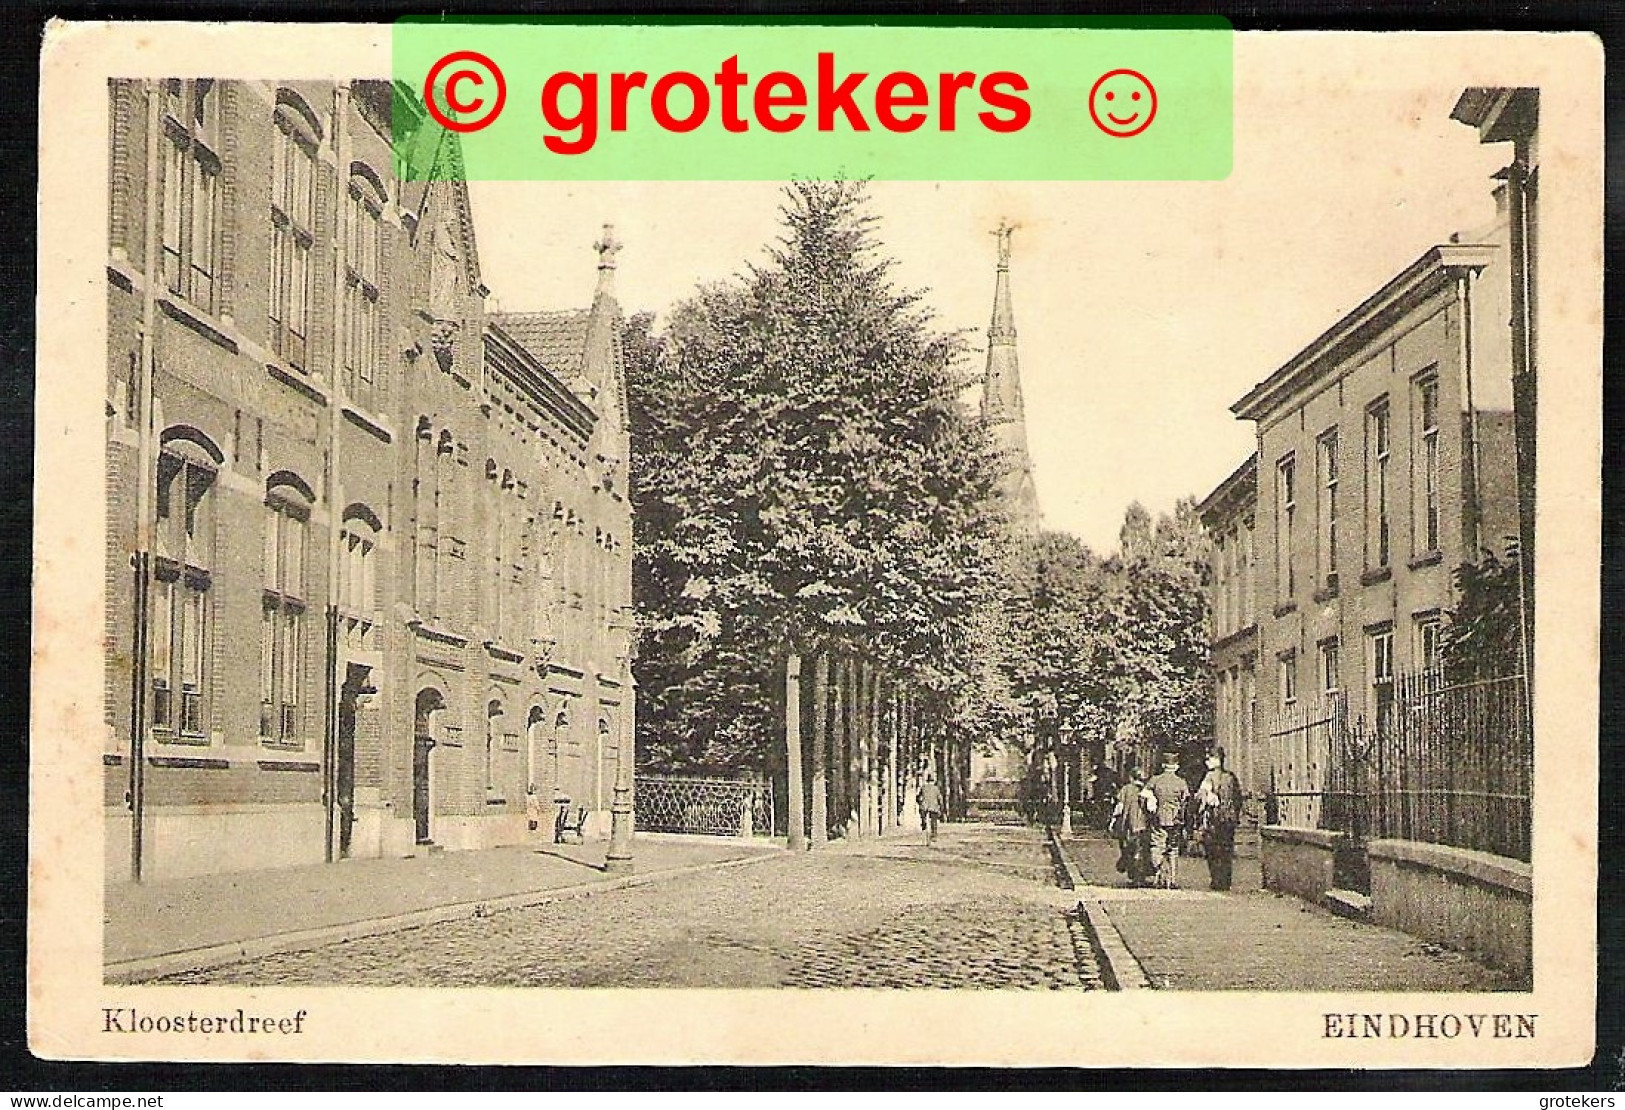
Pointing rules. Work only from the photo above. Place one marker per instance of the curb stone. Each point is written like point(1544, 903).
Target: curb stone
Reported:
point(1122, 969)
point(230, 952)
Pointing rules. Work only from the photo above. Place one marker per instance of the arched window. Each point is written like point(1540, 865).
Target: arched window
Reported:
point(358, 585)
point(293, 224)
point(282, 630)
point(191, 190)
point(182, 575)
point(363, 259)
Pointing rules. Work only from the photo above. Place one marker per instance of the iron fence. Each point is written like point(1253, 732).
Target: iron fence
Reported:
point(1443, 764)
point(715, 807)
point(1300, 746)
point(1455, 765)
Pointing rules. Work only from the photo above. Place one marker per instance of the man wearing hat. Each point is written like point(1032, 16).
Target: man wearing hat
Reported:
point(1171, 792)
point(1220, 799)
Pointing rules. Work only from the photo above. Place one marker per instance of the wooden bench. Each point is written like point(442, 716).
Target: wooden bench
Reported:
point(564, 827)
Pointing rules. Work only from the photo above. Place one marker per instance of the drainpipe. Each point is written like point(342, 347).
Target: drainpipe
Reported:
point(335, 502)
point(146, 479)
point(1475, 507)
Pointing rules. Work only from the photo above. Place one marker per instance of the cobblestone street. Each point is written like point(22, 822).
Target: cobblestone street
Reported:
point(978, 909)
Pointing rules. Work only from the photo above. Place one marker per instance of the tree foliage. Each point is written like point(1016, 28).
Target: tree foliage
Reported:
point(802, 470)
point(1483, 637)
point(1106, 641)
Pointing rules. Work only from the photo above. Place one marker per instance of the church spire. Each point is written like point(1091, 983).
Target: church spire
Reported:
point(1002, 408)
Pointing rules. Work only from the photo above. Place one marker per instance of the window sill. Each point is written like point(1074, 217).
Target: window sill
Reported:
point(296, 381)
point(498, 651)
point(1328, 592)
point(1376, 575)
point(1238, 635)
point(439, 635)
point(170, 738)
point(372, 425)
point(282, 746)
point(288, 765)
point(193, 762)
point(1426, 559)
point(496, 801)
point(195, 319)
point(1286, 608)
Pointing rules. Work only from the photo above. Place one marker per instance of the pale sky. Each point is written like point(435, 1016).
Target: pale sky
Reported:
point(1143, 309)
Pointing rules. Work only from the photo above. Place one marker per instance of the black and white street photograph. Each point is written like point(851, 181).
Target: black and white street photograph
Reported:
point(1067, 588)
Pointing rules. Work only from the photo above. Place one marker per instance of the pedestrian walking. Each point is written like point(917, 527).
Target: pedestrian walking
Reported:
point(1131, 824)
point(930, 799)
point(1103, 794)
point(1220, 797)
point(1167, 829)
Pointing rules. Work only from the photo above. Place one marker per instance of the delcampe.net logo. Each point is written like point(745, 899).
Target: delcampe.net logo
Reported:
point(665, 100)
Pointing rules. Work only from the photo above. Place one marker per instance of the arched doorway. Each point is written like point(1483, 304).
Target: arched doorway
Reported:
point(429, 705)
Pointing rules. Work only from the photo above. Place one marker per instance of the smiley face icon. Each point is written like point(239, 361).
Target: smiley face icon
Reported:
point(1123, 103)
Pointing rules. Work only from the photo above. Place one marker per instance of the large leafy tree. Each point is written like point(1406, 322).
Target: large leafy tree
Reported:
point(802, 470)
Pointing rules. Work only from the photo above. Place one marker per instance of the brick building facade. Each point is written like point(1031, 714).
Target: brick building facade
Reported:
point(367, 548)
point(1385, 460)
point(1229, 514)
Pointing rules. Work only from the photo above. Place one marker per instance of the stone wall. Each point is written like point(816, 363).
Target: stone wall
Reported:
point(1471, 901)
point(1298, 861)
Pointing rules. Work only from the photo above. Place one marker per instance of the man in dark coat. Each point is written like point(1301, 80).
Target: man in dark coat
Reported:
point(1131, 824)
point(1220, 797)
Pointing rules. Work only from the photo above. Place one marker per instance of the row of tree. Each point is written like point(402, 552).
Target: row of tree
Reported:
point(807, 484)
point(804, 478)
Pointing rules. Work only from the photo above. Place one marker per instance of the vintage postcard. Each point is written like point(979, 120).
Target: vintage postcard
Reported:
point(569, 543)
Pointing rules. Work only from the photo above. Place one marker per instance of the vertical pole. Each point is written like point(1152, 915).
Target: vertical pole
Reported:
point(911, 762)
point(330, 734)
point(895, 794)
point(146, 480)
point(855, 718)
point(1523, 403)
point(820, 749)
point(871, 793)
point(792, 750)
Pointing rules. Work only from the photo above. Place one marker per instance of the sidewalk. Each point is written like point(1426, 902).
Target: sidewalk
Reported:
point(164, 922)
point(1251, 939)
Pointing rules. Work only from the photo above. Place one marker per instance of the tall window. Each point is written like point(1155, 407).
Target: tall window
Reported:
point(191, 190)
point(1326, 538)
point(181, 580)
point(1244, 571)
point(1428, 503)
point(1377, 448)
point(361, 320)
point(1428, 656)
point(293, 206)
point(358, 599)
point(1382, 674)
point(282, 616)
point(1286, 511)
point(1329, 677)
point(1289, 678)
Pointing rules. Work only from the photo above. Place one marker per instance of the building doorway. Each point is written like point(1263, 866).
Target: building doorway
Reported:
point(357, 686)
point(429, 705)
